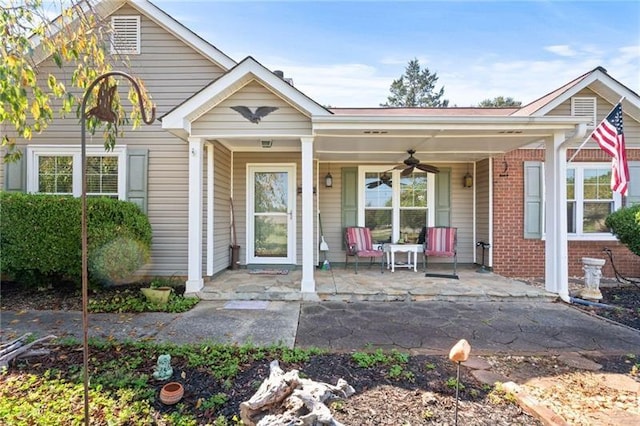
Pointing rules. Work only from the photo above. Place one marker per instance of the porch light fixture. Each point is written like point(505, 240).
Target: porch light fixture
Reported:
point(328, 179)
point(467, 179)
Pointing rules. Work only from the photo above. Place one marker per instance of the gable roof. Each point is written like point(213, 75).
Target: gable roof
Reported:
point(180, 117)
point(597, 80)
point(106, 8)
point(183, 33)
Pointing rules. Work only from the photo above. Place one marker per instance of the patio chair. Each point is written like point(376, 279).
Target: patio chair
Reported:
point(359, 244)
point(441, 241)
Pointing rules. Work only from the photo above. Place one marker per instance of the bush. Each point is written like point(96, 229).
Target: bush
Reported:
point(40, 238)
point(625, 224)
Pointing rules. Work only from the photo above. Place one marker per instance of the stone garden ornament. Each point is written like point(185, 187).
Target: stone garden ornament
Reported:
point(163, 368)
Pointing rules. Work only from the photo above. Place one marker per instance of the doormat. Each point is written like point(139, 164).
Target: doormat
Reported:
point(268, 271)
point(246, 304)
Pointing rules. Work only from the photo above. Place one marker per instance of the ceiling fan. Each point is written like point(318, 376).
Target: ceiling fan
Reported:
point(412, 163)
point(385, 179)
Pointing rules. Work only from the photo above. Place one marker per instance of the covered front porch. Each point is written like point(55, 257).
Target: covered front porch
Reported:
point(283, 158)
point(340, 284)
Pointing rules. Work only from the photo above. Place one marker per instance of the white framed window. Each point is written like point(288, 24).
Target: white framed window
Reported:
point(125, 38)
point(585, 107)
point(58, 170)
point(395, 206)
point(590, 200)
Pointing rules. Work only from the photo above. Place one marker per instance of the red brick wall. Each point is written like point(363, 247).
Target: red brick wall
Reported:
point(514, 256)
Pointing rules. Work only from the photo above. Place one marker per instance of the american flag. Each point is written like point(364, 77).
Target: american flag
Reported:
point(610, 136)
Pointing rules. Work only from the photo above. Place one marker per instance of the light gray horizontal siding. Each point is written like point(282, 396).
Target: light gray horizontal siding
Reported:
point(171, 72)
point(631, 126)
point(222, 217)
point(223, 120)
point(481, 184)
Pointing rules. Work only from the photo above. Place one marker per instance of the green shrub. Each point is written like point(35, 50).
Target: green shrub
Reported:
point(625, 224)
point(40, 238)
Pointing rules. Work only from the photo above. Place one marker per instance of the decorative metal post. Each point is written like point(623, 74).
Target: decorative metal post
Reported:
point(103, 112)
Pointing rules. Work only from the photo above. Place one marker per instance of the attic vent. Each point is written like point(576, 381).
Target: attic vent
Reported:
point(584, 107)
point(126, 35)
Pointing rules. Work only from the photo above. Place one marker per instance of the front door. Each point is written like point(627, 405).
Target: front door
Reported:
point(271, 211)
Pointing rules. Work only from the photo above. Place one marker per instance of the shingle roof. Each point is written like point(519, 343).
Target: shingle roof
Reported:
point(454, 111)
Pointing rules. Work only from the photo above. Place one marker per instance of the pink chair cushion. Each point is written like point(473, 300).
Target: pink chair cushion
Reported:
point(441, 242)
point(361, 238)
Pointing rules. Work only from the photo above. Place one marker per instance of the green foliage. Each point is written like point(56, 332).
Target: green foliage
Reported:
point(499, 102)
point(369, 359)
point(416, 88)
point(133, 301)
point(625, 224)
point(28, 399)
point(214, 401)
point(452, 382)
point(499, 395)
point(40, 238)
point(76, 40)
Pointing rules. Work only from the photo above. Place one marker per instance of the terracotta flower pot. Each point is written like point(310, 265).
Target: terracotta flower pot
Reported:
point(171, 393)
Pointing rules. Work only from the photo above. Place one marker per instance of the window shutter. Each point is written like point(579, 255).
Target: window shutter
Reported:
point(137, 172)
point(349, 196)
point(126, 35)
point(633, 194)
point(584, 107)
point(443, 197)
point(15, 175)
point(533, 199)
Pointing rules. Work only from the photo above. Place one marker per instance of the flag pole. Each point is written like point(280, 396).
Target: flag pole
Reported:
point(591, 134)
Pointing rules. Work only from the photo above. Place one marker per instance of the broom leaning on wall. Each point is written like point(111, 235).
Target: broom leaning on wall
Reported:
point(324, 247)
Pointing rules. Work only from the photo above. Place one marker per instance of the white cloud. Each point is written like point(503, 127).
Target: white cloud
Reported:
point(561, 50)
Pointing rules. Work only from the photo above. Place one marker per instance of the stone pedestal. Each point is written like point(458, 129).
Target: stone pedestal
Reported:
point(592, 273)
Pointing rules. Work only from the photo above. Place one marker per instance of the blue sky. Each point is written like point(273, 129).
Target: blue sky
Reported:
point(348, 53)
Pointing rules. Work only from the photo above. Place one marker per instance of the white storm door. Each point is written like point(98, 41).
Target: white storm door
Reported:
point(271, 230)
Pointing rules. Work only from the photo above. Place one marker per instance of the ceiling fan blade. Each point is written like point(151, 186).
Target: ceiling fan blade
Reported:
point(407, 171)
point(428, 168)
point(399, 167)
point(375, 184)
point(388, 183)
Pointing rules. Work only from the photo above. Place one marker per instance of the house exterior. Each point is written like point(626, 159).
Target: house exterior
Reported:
point(216, 171)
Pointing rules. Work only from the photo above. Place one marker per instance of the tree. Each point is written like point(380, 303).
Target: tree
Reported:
point(499, 102)
point(76, 41)
point(416, 88)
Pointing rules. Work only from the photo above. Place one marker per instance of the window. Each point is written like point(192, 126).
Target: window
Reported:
point(58, 170)
point(55, 174)
point(590, 199)
point(395, 206)
point(584, 107)
point(125, 38)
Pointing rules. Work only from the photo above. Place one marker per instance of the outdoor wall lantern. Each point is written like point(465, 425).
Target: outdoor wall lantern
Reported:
point(328, 179)
point(467, 179)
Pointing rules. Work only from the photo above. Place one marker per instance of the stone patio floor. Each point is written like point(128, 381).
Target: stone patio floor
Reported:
point(340, 284)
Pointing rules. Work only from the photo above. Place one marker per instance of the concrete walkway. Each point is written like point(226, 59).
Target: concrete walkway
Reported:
point(420, 327)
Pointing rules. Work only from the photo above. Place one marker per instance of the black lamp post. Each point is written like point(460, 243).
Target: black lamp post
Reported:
point(103, 112)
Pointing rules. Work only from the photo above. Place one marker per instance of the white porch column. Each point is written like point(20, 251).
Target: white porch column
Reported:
point(308, 284)
point(210, 194)
point(556, 249)
point(194, 281)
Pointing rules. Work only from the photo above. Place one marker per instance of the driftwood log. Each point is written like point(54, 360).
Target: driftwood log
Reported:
point(286, 399)
point(19, 348)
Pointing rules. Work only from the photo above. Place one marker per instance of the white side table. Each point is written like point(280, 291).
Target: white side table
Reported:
point(412, 251)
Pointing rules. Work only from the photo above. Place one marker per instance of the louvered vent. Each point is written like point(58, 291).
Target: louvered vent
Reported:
point(584, 107)
point(126, 35)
